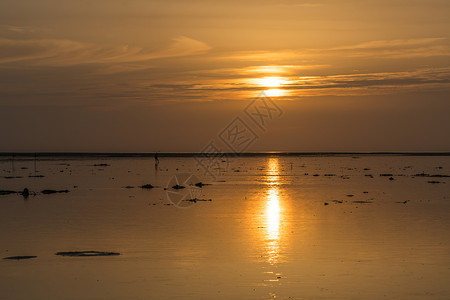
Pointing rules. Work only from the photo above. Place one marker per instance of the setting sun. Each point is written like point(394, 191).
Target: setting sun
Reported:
point(271, 82)
point(274, 93)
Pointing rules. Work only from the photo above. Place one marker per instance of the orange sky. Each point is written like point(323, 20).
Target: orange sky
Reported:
point(139, 75)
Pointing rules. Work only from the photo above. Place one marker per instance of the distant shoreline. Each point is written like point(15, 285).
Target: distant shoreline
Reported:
point(5, 155)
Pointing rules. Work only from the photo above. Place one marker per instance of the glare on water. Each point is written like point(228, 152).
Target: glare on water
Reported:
point(273, 211)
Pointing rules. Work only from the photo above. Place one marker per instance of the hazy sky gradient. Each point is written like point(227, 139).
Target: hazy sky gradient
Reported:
point(137, 75)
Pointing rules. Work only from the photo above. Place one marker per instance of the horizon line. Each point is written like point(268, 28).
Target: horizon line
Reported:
point(243, 154)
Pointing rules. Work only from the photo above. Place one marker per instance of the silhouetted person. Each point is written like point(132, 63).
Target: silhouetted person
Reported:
point(25, 193)
point(156, 159)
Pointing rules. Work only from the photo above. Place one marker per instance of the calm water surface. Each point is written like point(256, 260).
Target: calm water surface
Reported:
point(276, 227)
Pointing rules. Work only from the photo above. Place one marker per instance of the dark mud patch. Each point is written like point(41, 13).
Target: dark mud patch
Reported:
point(195, 200)
point(201, 184)
point(48, 192)
point(86, 253)
point(20, 257)
point(6, 192)
point(178, 187)
point(431, 175)
point(147, 186)
point(337, 201)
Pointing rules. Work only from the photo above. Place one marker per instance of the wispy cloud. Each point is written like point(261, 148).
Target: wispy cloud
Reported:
point(297, 86)
point(53, 52)
point(262, 55)
point(254, 71)
point(26, 50)
point(17, 29)
point(423, 47)
point(373, 80)
point(223, 75)
point(396, 49)
point(391, 43)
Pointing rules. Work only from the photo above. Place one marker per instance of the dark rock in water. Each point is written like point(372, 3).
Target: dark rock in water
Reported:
point(362, 202)
point(433, 182)
point(25, 192)
point(350, 195)
point(337, 201)
point(387, 175)
point(325, 203)
point(20, 257)
point(101, 165)
point(12, 177)
point(391, 178)
point(178, 187)
point(128, 187)
point(36, 176)
point(3, 192)
point(86, 253)
point(147, 186)
point(46, 192)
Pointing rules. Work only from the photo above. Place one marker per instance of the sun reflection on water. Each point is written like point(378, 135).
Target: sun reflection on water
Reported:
point(273, 225)
point(273, 212)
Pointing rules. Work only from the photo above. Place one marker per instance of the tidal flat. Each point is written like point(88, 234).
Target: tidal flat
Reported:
point(263, 227)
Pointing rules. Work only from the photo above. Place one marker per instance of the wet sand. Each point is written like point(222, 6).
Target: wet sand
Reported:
point(284, 227)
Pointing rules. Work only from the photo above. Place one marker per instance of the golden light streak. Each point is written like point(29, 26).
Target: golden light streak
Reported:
point(273, 212)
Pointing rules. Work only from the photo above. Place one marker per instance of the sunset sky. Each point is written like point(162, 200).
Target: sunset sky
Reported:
point(169, 76)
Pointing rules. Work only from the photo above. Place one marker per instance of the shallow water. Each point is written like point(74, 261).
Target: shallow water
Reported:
point(271, 230)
